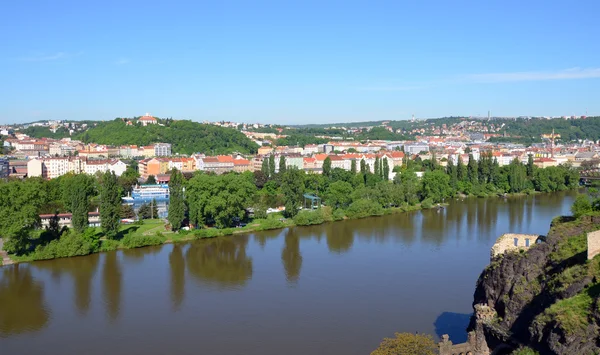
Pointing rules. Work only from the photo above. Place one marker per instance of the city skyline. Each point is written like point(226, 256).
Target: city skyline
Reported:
point(298, 64)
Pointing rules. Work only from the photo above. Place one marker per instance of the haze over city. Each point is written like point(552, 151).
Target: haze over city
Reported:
point(310, 62)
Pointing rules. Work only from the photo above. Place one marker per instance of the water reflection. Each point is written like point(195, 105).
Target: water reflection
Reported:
point(112, 279)
point(177, 266)
point(290, 256)
point(262, 237)
point(340, 237)
point(81, 270)
point(220, 262)
point(22, 306)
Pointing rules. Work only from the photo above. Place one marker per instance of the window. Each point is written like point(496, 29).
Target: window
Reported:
point(527, 242)
point(516, 240)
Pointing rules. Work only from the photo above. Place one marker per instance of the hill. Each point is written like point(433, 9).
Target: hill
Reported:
point(186, 137)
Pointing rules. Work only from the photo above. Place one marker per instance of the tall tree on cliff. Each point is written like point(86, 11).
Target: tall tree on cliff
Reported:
point(176, 200)
point(110, 203)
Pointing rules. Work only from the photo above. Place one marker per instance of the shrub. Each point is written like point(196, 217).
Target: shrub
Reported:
point(364, 208)
point(581, 206)
point(427, 203)
point(109, 245)
point(69, 244)
point(339, 214)
point(308, 217)
point(137, 241)
point(524, 351)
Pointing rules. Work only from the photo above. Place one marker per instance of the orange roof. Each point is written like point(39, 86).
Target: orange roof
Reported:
point(225, 158)
point(309, 160)
point(396, 154)
point(320, 156)
point(241, 162)
point(147, 118)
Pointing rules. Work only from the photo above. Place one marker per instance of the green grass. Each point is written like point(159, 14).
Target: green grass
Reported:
point(572, 314)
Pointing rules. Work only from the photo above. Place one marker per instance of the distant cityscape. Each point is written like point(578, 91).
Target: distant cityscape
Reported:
point(49, 158)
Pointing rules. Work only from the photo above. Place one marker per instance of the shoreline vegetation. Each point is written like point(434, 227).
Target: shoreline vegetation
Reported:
point(153, 232)
point(219, 205)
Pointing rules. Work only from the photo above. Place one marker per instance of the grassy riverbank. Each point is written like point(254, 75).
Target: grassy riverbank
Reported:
point(153, 232)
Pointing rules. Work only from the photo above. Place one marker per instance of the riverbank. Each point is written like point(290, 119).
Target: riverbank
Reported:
point(153, 232)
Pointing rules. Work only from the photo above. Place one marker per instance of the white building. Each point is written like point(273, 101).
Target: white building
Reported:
point(162, 150)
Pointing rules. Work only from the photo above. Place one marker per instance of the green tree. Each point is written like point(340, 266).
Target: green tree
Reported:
point(177, 207)
point(407, 344)
point(386, 169)
point(409, 183)
point(292, 187)
point(363, 166)
point(517, 176)
point(282, 164)
point(353, 166)
point(271, 166)
point(110, 203)
point(327, 167)
point(339, 194)
point(581, 206)
point(377, 167)
point(451, 170)
point(472, 173)
point(530, 166)
point(151, 180)
point(436, 185)
point(128, 179)
point(265, 167)
point(79, 208)
point(461, 171)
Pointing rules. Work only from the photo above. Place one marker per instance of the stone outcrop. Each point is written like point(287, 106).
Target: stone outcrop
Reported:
point(521, 287)
point(593, 242)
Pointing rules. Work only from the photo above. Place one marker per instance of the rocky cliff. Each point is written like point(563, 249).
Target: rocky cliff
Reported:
point(547, 297)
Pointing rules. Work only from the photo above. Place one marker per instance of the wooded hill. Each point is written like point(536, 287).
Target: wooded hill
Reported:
point(186, 137)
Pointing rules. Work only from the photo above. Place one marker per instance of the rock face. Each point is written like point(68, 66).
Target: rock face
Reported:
point(545, 297)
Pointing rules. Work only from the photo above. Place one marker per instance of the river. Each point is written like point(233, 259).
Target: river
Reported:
point(337, 288)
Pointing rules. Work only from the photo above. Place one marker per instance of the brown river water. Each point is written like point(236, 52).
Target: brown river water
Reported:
point(337, 288)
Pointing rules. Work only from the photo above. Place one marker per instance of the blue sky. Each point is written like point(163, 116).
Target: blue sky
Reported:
point(297, 61)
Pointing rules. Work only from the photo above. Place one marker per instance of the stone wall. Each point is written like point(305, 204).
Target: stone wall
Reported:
point(593, 244)
point(506, 243)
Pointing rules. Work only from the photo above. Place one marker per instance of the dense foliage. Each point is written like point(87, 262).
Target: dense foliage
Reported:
point(224, 200)
point(186, 137)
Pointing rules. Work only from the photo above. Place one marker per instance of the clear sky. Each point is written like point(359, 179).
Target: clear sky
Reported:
point(297, 61)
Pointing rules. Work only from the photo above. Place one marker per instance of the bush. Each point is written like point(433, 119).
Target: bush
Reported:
point(270, 223)
point(308, 217)
point(524, 351)
point(69, 244)
point(339, 214)
point(130, 240)
point(581, 206)
point(427, 203)
point(109, 245)
point(364, 208)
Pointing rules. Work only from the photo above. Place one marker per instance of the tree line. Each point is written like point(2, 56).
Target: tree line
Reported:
point(223, 201)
